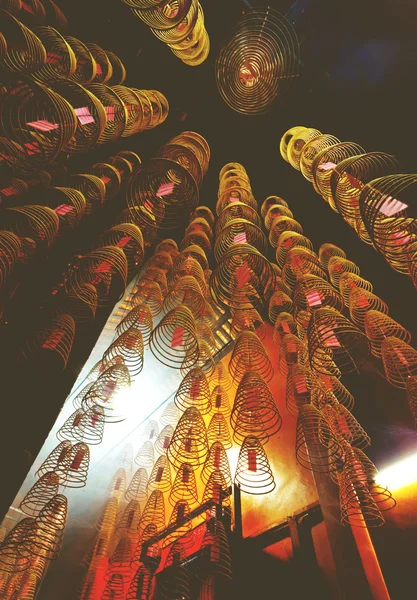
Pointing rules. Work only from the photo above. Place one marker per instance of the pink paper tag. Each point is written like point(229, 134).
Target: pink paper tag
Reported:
point(84, 115)
point(43, 125)
point(63, 209)
point(165, 189)
point(109, 112)
point(391, 206)
point(240, 238)
point(177, 337)
point(53, 340)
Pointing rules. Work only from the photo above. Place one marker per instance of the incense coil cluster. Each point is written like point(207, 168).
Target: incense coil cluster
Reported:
point(218, 431)
point(288, 240)
point(44, 538)
point(180, 27)
point(129, 345)
point(249, 354)
point(256, 65)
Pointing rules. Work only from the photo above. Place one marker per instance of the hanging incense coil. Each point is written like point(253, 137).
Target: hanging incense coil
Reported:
point(145, 456)
point(60, 63)
point(238, 194)
point(160, 477)
point(238, 231)
point(134, 109)
point(203, 212)
point(361, 302)
point(221, 377)
point(216, 461)
point(114, 108)
point(281, 224)
point(170, 415)
point(326, 388)
point(311, 292)
point(78, 467)
point(54, 15)
point(44, 538)
point(39, 223)
point(331, 335)
point(299, 386)
point(104, 69)
point(129, 521)
point(199, 224)
point(183, 526)
point(174, 582)
point(68, 204)
point(239, 280)
point(299, 262)
point(58, 461)
point(158, 275)
point(254, 410)
point(168, 245)
point(117, 485)
point(149, 293)
point(327, 251)
point(105, 393)
point(51, 346)
point(311, 149)
point(39, 494)
point(92, 188)
point(205, 334)
point(216, 489)
point(197, 238)
point(185, 292)
point(275, 211)
point(379, 326)
point(279, 303)
point(215, 554)
point(13, 557)
point(300, 138)
point(12, 158)
point(118, 69)
point(220, 403)
point(138, 487)
point(151, 431)
point(271, 201)
point(125, 457)
point(152, 550)
point(194, 391)
point(317, 448)
point(253, 471)
point(107, 520)
point(399, 360)
point(337, 266)
point(141, 586)
point(288, 240)
point(10, 247)
point(247, 320)
point(33, 12)
point(190, 262)
point(163, 440)
point(22, 50)
point(194, 50)
point(284, 324)
point(174, 340)
point(70, 429)
point(344, 425)
point(162, 261)
point(189, 443)
point(154, 512)
point(249, 355)
point(80, 304)
point(115, 587)
point(129, 345)
point(187, 158)
point(218, 431)
point(165, 189)
point(184, 487)
point(237, 210)
point(258, 62)
point(122, 165)
point(111, 178)
point(349, 282)
point(86, 67)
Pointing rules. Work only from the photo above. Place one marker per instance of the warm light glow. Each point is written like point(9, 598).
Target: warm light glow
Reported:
point(399, 475)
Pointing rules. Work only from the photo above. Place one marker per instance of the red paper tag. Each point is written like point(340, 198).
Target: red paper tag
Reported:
point(63, 209)
point(166, 442)
point(195, 388)
point(218, 400)
point(159, 474)
point(130, 517)
point(53, 340)
point(180, 512)
point(165, 189)
point(252, 460)
point(109, 112)
point(77, 460)
point(217, 454)
point(177, 337)
point(125, 240)
point(285, 327)
point(43, 125)
point(105, 179)
point(9, 191)
point(53, 58)
point(185, 476)
point(242, 275)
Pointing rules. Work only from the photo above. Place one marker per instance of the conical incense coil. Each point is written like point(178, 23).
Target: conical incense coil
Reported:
point(161, 260)
point(185, 157)
point(187, 264)
point(237, 210)
point(53, 344)
point(174, 340)
point(220, 403)
point(153, 273)
point(168, 245)
point(299, 262)
point(186, 292)
point(379, 326)
point(70, 430)
point(271, 201)
point(170, 415)
point(288, 240)
point(61, 62)
point(298, 390)
point(184, 486)
point(218, 431)
point(344, 425)
point(129, 345)
point(115, 587)
point(22, 50)
point(205, 334)
point(280, 225)
point(12, 158)
point(299, 139)
point(361, 302)
point(311, 149)
point(215, 490)
point(253, 471)
point(277, 284)
point(238, 231)
point(249, 354)
point(154, 512)
point(317, 448)
point(89, 585)
point(117, 485)
point(81, 304)
point(199, 239)
point(125, 457)
point(39, 494)
point(254, 410)
point(39, 223)
point(90, 428)
point(13, 557)
point(284, 324)
point(97, 555)
point(129, 238)
point(44, 538)
point(349, 282)
point(399, 360)
point(149, 293)
point(107, 520)
point(13, 190)
point(199, 145)
point(194, 391)
point(104, 68)
point(311, 292)
point(323, 384)
point(78, 466)
point(240, 278)
point(183, 526)
point(292, 351)
point(330, 334)
point(145, 456)
point(153, 550)
point(50, 121)
point(58, 461)
point(151, 431)
point(215, 554)
point(203, 212)
point(279, 303)
point(138, 487)
point(122, 165)
point(189, 443)
point(232, 166)
point(337, 266)
point(141, 586)
point(199, 224)
point(110, 176)
point(258, 62)
point(221, 377)
point(10, 247)
point(116, 113)
point(106, 394)
point(327, 251)
point(164, 439)
point(86, 66)
point(274, 211)
point(216, 461)
point(160, 477)
point(118, 69)
point(129, 521)
point(247, 320)
point(325, 162)
point(174, 581)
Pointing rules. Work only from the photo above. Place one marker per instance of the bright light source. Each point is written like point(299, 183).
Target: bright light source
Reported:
point(399, 475)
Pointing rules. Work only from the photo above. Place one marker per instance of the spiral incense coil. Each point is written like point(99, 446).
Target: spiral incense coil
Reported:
point(281, 224)
point(361, 302)
point(185, 157)
point(125, 457)
point(379, 326)
point(194, 391)
point(249, 354)
point(118, 70)
point(253, 471)
point(52, 345)
point(218, 431)
point(151, 431)
point(81, 304)
point(299, 138)
point(106, 523)
point(186, 292)
point(357, 506)
point(134, 109)
point(327, 251)
point(274, 211)
point(111, 178)
point(67, 203)
point(323, 384)
point(169, 415)
point(317, 448)
point(12, 158)
point(197, 238)
point(92, 188)
point(216, 461)
point(237, 210)
point(149, 293)
point(61, 62)
point(331, 335)
point(215, 490)
point(233, 196)
point(200, 147)
point(105, 391)
point(114, 107)
point(160, 477)
point(205, 334)
point(39, 494)
point(117, 486)
point(78, 467)
point(238, 231)
point(119, 561)
point(161, 261)
point(123, 166)
point(183, 526)
point(165, 189)
point(58, 461)
point(215, 560)
point(254, 410)
point(138, 487)
point(311, 149)
point(39, 223)
point(174, 340)
point(13, 191)
point(10, 248)
point(28, 584)
point(104, 69)
point(131, 157)
point(154, 512)
point(337, 266)
point(194, 50)
point(13, 558)
point(86, 66)
point(54, 15)
point(158, 275)
point(203, 212)
point(258, 62)
point(312, 292)
point(174, 581)
point(115, 587)
point(96, 371)
point(191, 261)
point(221, 377)
point(189, 442)
point(298, 390)
point(279, 303)
point(28, 103)
point(70, 429)
point(168, 245)
point(344, 425)
point(349, 282)
point(141, 586)
point(232, 166)
point(22, 50)
point(271, 201)
point(163, 440)
point(239, 280)
point(284, 324)
point(386, 206)
point(33, 12)
point(44, 538)
point(184, 487)
point(129, 521)
point(247, 320)
point(399, 360)
point(129, 345)
point(145, 456)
